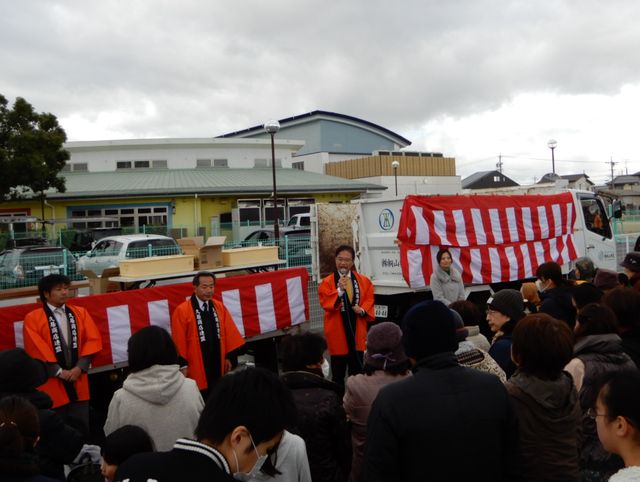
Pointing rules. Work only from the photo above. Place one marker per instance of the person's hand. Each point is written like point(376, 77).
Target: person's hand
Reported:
point(358, 309)
point(74, 374)
point(342, 282)
point(227, 366)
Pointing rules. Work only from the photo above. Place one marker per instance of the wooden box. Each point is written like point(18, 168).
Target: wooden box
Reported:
point(253, 255)
point(156, 265)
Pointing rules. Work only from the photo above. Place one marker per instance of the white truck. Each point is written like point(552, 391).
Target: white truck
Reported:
point(374, 233)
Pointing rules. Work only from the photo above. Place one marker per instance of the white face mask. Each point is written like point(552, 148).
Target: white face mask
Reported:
point(252, 474)
point(539, 286)
point(326, 368)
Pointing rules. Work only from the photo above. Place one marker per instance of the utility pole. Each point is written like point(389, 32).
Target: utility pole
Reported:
point(611, 163)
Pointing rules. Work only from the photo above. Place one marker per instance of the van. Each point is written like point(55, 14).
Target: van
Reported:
point(109, 251)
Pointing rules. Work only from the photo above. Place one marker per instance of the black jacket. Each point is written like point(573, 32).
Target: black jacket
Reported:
point(322, 423)
point(557, 302)
point(59, 443)
point(631, 343)
point(188, 461)
point(447, 422)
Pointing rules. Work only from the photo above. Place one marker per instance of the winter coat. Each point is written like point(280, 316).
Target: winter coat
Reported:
point(447, 287)
point(59, 443)
point(600, 354)
point(500, 349)
point(478, 339)
point(549, 415)
point(557, 302)
point(631, 343)
point(291, 461)
point(446, 422)
point(361, 391)
point(471, 357)
point(188, 461)
point(322, 424)
point(160, 400)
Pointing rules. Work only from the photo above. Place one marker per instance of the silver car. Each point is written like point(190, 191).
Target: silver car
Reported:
point(109, 251)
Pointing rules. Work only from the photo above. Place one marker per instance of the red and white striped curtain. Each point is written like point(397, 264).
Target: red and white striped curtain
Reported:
point(259, 303)
point(492, 238)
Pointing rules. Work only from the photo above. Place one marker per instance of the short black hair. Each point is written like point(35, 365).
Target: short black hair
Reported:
point(150, 346)
point(47, 283)
point(346, 247)
point(124, 442)
point(469, 312)
point(551, 270)
point(620, 394)
point(586, 293)
point(301, 350)
point(255, 398)
point(442, 251)
point(202, 274)
point(542, 346)
point(625, 303)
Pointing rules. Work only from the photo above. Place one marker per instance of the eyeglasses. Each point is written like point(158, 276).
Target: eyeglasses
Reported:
point(344, 260)
point(591, 413)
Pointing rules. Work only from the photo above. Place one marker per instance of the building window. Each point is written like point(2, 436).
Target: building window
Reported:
point(123, 165)
point(496, 178)
point(80, 167)
point(260, 163)
point(298, 165)
point(203, 162)
point(220, 163)
point(159, 164)
point(134, 217)
point(141, 164)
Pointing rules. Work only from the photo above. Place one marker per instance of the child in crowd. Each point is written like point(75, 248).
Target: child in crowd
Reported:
point(122, 444)
point(617, 416)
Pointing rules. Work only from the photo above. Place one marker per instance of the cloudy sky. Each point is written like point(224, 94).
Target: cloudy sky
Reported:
point(473, 79)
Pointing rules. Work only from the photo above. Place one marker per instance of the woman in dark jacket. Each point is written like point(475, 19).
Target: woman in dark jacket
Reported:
point(322, 421)
point(597, 351)
point(504, 310)
point(59, 443)
point(19, 433)
point(545, 400)
point(556, 293)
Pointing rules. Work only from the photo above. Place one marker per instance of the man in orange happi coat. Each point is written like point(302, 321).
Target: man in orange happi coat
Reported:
point(347, 300)
point(204, 334)
point(66, 339)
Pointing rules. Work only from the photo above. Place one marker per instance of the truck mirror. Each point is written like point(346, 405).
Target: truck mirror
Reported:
point(617, 209)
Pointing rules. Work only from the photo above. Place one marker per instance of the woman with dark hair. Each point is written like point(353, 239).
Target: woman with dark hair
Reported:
point(504, 310)
point(446, 281)
point(122, 444)
point(617, 416)
point(155, 396)
point(19, 435)
point(555, 293)
point(322, 422)
point(545, 400)
point(384, 362)
point(597, 352)
point(625, 303)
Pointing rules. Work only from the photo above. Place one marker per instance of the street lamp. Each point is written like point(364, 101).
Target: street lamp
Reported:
point(552, 143)
point(395, 165)
point(271, 128)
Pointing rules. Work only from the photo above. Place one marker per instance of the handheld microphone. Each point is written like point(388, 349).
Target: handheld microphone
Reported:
point(343, 272)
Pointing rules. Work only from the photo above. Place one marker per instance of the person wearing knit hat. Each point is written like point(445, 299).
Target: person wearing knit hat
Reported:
point(606, 279)
point(504, 310)
point(421, 424)
point(385, 362)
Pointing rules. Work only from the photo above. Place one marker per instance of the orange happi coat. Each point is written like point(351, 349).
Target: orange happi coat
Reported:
point(184, 331)
point(38, 344)
point(331, 304)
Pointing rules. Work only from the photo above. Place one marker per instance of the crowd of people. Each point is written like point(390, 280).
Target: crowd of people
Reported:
point(540, 384)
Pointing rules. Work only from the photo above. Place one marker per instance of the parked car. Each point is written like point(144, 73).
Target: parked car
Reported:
point(25, 266)
point(297, 242)
point(299, 221)
point(109, 251)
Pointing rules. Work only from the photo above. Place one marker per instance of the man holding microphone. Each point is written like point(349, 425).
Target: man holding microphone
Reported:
point(347, 300)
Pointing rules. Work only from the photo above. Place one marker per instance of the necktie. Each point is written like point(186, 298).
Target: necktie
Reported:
point(63, 323)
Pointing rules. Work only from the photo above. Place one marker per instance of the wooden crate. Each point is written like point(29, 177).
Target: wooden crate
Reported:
point(253, 255)
point(156, 265)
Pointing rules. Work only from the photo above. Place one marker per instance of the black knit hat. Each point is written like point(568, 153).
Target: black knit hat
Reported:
point(508, 302)
point(632, 261)
point(384, 346)
point(428, 329)
point(19, 372)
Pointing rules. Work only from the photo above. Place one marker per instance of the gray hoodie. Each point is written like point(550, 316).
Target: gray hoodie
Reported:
point(160, 400)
